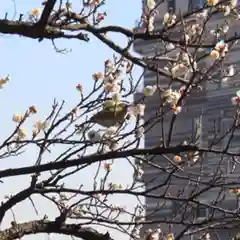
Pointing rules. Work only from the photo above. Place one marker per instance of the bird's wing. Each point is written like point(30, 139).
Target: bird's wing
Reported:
point(108, 119)
point(100, 119)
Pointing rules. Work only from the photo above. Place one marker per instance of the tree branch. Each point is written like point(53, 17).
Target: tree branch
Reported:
point(95, 158)
point(28, 29)
point(45, 14)
point(110, 155)
point(43, 226)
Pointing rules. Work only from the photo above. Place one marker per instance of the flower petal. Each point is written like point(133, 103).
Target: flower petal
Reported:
point(238, 93)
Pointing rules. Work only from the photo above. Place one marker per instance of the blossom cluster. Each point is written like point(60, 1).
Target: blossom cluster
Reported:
point(172, 97)
point(236, 100)
point(190, 158)
point(156, 234)
point(220, 50)
point(21, 118)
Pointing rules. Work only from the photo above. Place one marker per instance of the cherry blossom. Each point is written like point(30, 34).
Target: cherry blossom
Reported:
point(236, 100)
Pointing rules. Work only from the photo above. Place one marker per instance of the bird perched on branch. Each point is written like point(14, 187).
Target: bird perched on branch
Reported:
point(111, 114)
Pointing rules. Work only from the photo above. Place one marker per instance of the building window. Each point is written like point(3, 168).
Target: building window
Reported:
point(195, 4)
point(172, 5)
point(234, 143)
point(201, 212)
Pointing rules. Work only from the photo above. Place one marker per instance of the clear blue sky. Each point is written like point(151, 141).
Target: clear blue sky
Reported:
point(39, 74)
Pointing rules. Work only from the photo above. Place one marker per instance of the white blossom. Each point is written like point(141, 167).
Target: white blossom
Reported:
point(202, 15)
point(138, 174)
point(185, 58)
point(151, 4)
point(109, 66)
point(195, 157)
point(170, 236)
point(212, 32)
point(225, 28)
point(215, 54)
point(139, 132)
point(220, 46)
point(112, 87)
point(177, 110)
point(187, 38)
point(136, 110)
point(140, 109)
point(230, 72)
point(235, 100)
point(227, 10)
point(179, 70)
point(17, 118)
point(166, 18)
point(151, 24)
point(170, 96)
point(170, 46)
point(234, 3)
point(136, 233)
point(153, 235)
point(149, 90)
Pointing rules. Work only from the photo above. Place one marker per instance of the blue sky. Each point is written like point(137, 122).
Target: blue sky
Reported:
point(38, 75)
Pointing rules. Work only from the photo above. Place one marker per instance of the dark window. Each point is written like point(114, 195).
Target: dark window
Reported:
point(201, 212)
point(195, 4)
point(234, 143)
point(172, 5)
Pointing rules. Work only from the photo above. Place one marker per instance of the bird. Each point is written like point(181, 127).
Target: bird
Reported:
point(110, 116)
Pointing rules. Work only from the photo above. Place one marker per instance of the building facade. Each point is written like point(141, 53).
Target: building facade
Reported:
point(212, 109)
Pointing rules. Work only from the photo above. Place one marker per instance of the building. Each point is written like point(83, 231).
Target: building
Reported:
point(210, 107)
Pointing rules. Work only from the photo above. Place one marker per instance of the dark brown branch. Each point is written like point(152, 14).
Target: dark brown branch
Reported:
point(111, 155)
point(14, 200)
point(95, 158)
point(43, 226)
point(28, 29)
point(45, 14)
point(152, 36)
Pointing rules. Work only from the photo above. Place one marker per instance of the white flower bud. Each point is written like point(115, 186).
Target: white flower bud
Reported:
point(179, 70)
point(151, 4)
point(149, 90)
point(170, 46)
point(166, 18)
point(140, 109)
point(227, 10)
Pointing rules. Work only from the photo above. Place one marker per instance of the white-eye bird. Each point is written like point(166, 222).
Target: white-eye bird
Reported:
point(111, 114)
